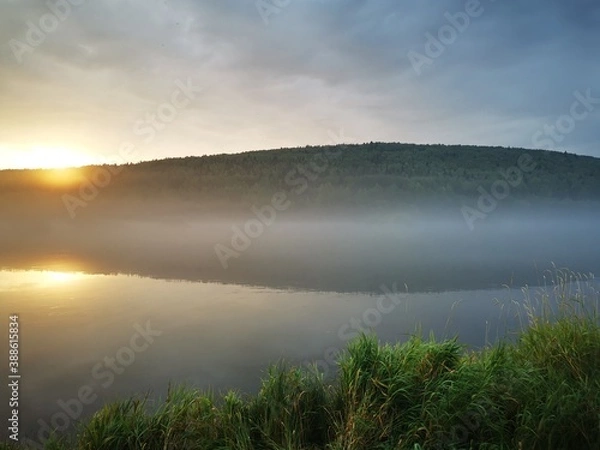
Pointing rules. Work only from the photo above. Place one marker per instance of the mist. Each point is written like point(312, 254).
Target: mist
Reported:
point(432, 249)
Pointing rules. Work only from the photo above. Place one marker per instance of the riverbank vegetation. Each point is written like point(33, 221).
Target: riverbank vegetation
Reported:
point(539, 389)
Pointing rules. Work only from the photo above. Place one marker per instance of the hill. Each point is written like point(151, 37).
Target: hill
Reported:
point(372, 175)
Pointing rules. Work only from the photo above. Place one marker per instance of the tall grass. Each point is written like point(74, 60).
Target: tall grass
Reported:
point(539, 391)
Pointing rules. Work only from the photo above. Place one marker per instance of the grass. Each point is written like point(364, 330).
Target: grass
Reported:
point(538, 391)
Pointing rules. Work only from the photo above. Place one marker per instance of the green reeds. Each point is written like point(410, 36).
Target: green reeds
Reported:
point(538, 391)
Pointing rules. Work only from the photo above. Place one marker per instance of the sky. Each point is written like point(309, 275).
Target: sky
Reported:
point(85, 81)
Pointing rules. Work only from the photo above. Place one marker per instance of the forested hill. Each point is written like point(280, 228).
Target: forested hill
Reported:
point(345, 176)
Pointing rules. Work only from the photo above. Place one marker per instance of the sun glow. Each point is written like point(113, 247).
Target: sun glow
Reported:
point(62, 177)
point(62, 277)
point(51, 158)
point(10, 280)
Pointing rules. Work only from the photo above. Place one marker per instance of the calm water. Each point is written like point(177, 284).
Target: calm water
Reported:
point(82, 331)
point(87, 339)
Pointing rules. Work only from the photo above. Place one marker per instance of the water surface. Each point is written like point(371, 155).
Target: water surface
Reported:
point(77, 330)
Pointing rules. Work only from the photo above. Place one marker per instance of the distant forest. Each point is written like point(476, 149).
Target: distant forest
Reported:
point(373, 175)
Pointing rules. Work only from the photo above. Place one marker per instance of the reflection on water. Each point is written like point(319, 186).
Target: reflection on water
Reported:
point(90, 335)
point(433, 252)
point(118, 335)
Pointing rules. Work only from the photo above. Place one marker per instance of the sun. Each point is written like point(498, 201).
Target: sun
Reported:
point(62, 277)
point(51, 158)
point(44, 278)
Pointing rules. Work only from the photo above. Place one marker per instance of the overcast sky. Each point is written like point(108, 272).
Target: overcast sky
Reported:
point(146, 79)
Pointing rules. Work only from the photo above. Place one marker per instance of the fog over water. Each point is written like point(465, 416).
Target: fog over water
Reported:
point(300, 290)
point(425, 251)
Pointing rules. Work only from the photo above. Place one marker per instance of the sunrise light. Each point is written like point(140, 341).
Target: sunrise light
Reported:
point(62, 277)
point(50, 158)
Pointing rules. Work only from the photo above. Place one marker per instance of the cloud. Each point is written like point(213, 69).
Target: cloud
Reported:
point(317, 65)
